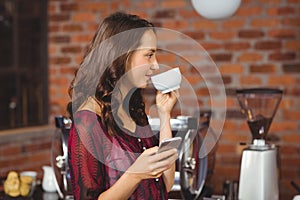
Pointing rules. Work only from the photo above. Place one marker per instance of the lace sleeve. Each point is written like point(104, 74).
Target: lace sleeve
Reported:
point(87, 172)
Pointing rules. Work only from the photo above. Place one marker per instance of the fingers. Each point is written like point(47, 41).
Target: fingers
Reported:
point(175, 93)
point(160, 160)
point(151, 150)
point(161, 98)
point(166, 158)
point(157, 169)
point(151, 164)
point(162, 166)
point(153, 156)
point(167, 153)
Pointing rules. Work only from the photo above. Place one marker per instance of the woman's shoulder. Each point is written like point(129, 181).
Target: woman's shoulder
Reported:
point(91, 105)
point(85, 117)
point(85, 114)
point(88, 112)
point(86, 121)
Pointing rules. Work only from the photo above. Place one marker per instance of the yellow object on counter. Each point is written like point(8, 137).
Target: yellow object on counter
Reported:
point(26, 179)
point(15, 186)
point(12, 184)
point(24, 189)
point(26, 183)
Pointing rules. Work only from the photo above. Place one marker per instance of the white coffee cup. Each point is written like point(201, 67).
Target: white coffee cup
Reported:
point(297, 197)
point(33, 175)
point(167, 81)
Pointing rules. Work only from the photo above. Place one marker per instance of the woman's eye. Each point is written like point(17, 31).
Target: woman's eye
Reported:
point(150, 55)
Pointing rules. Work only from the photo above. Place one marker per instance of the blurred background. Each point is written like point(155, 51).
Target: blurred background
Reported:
point(42, 43)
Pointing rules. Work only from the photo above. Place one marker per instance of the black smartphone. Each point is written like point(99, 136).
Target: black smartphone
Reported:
point(169, 144)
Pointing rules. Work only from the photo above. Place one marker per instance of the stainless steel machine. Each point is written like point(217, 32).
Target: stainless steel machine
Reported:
point(59, 157)
point(259, 164)
point(191, 168)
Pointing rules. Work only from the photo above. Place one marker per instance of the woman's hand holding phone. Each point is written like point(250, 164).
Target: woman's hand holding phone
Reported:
point(154, 161)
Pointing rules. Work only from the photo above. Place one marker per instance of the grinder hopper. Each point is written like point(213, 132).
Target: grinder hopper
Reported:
point(259, 105)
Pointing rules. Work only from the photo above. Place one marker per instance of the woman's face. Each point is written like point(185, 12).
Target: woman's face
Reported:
point(143, 61)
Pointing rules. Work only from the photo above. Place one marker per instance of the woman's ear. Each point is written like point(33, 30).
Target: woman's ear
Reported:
point(128, 60)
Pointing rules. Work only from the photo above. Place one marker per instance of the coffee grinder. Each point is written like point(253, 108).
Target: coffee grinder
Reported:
point(259, 164)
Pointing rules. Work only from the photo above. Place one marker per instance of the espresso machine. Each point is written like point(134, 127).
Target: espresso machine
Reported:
point(259, 172)
point(59, 157)
point(191, 167)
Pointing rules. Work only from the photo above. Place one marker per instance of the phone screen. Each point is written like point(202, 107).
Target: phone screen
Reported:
point(169, 144)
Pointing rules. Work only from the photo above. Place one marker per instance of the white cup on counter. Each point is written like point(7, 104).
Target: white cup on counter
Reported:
point(33, 175)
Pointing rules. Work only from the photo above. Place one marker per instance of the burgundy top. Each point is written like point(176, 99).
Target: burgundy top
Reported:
point(97, 160)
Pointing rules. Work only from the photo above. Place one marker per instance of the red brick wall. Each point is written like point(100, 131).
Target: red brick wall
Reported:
point(258, 46)
point(25, 149)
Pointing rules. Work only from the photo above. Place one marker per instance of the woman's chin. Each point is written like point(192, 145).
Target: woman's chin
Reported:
point(144, 85)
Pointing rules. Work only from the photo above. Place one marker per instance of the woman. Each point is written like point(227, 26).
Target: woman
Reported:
point(112, 150)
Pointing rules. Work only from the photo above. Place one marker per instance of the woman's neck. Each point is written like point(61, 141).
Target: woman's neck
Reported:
point(123, 109)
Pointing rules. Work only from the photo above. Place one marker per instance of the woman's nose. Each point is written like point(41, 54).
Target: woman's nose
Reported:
point(154, 65)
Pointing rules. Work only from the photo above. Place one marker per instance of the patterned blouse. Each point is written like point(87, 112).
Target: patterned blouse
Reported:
point(97, 160)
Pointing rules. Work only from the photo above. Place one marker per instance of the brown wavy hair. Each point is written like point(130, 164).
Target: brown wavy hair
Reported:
point(104, 64)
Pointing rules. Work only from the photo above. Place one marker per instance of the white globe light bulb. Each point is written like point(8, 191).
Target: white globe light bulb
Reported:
point(216, 9)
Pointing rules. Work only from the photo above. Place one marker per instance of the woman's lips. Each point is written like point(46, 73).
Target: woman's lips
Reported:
point(148, 77)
